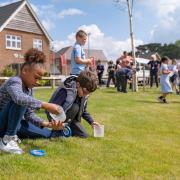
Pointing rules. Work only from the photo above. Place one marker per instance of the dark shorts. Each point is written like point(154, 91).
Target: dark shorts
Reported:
point(173, 78)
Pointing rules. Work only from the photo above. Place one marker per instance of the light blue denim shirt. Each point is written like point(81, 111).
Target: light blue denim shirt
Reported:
point(77, 51)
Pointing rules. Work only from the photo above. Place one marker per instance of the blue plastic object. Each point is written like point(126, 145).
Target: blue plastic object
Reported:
point(67, 131)
point(37, 152)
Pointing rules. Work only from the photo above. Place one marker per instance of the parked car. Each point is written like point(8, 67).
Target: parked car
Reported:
point(142, 63)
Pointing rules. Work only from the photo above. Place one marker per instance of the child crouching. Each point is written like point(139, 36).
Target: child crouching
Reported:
point(16, 102)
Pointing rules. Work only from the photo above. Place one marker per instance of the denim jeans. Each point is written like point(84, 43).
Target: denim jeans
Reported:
point(11, 123)
point(29, 130)
point(10, 117)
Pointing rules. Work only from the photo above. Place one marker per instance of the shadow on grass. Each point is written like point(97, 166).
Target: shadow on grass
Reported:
point(175, 102)
point(146, 101)
point(109, 91)
point(31, 143)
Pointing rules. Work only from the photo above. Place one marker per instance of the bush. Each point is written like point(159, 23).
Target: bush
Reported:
point(44, 82)
point(8, 72)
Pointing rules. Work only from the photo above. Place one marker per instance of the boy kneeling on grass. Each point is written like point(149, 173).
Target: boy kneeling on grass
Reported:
point(73, 96)
point(17, 103)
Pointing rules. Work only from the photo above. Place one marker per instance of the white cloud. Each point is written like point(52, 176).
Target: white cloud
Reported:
point(70, 12)
point(7, 2)
point(167, 22)
point(111, 47)
point(47, 15)
point(48, 24)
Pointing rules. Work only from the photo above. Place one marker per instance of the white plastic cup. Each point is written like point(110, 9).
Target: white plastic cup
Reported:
point(59, 117)
point(98, 131)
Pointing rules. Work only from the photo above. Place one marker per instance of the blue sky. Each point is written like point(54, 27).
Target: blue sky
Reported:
point(153, 21)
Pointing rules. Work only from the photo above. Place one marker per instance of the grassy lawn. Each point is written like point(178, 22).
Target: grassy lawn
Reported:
point(142, 141)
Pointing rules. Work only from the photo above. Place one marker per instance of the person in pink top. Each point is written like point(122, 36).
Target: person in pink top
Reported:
point(126, 60)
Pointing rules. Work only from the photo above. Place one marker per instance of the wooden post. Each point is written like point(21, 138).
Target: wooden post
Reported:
point(144, 81)
point(134, 79)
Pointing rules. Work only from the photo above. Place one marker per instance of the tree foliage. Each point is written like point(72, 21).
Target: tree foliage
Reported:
point(170, 50)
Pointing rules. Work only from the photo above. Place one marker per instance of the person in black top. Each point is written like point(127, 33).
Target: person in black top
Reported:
point(111, 71)
point(154, 67)
point(100, 70)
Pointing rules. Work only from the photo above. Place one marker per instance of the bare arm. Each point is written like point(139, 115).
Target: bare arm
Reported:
point(166, 71)
point(83, 61)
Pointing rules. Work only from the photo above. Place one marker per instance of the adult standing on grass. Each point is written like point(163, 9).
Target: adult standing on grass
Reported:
point(78, 59)
point(17, 103)
point(111, 73)
point(164, 80)
point(154, 65)
point(100, 70)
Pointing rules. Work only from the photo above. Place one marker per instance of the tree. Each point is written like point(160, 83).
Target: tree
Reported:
point(177, 43)
point(149, 48)
point(170, 50)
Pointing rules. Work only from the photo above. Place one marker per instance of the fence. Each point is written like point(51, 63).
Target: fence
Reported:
point(52, 79)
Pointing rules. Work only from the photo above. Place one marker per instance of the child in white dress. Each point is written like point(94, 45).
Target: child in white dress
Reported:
point(164, 80)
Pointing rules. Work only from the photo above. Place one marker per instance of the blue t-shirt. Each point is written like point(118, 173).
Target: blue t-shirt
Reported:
point(77, 51)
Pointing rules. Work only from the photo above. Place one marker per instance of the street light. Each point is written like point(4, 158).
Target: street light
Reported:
point(89, 45)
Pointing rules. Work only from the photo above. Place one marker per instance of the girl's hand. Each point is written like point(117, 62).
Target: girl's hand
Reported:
point(50, 107)
point(55, 125)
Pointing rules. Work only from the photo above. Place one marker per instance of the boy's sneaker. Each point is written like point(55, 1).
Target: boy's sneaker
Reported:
point(9, 144)
point(160, 99)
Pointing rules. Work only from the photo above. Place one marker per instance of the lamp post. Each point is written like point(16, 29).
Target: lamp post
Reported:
point(89, 45)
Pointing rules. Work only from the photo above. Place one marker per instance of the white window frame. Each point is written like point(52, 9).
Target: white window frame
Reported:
point(13, 39)
point(38, 44)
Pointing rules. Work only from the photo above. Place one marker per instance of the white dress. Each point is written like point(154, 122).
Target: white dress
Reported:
point(164, 80)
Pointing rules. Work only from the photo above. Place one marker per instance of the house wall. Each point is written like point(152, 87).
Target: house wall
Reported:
point(66, 69)
point(9, 56)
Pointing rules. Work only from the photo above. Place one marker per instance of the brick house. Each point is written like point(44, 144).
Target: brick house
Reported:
point(65, 55)
point(20, 30)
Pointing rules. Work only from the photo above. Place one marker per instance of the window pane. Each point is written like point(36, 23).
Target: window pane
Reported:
point(8, 43)
point(13, 44)
point(18, 44)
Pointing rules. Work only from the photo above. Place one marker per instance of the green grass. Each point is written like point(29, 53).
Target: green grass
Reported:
point(142, 141)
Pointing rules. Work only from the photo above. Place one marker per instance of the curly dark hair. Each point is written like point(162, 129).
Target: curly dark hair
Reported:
point(34, 56)
point(88, 80)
